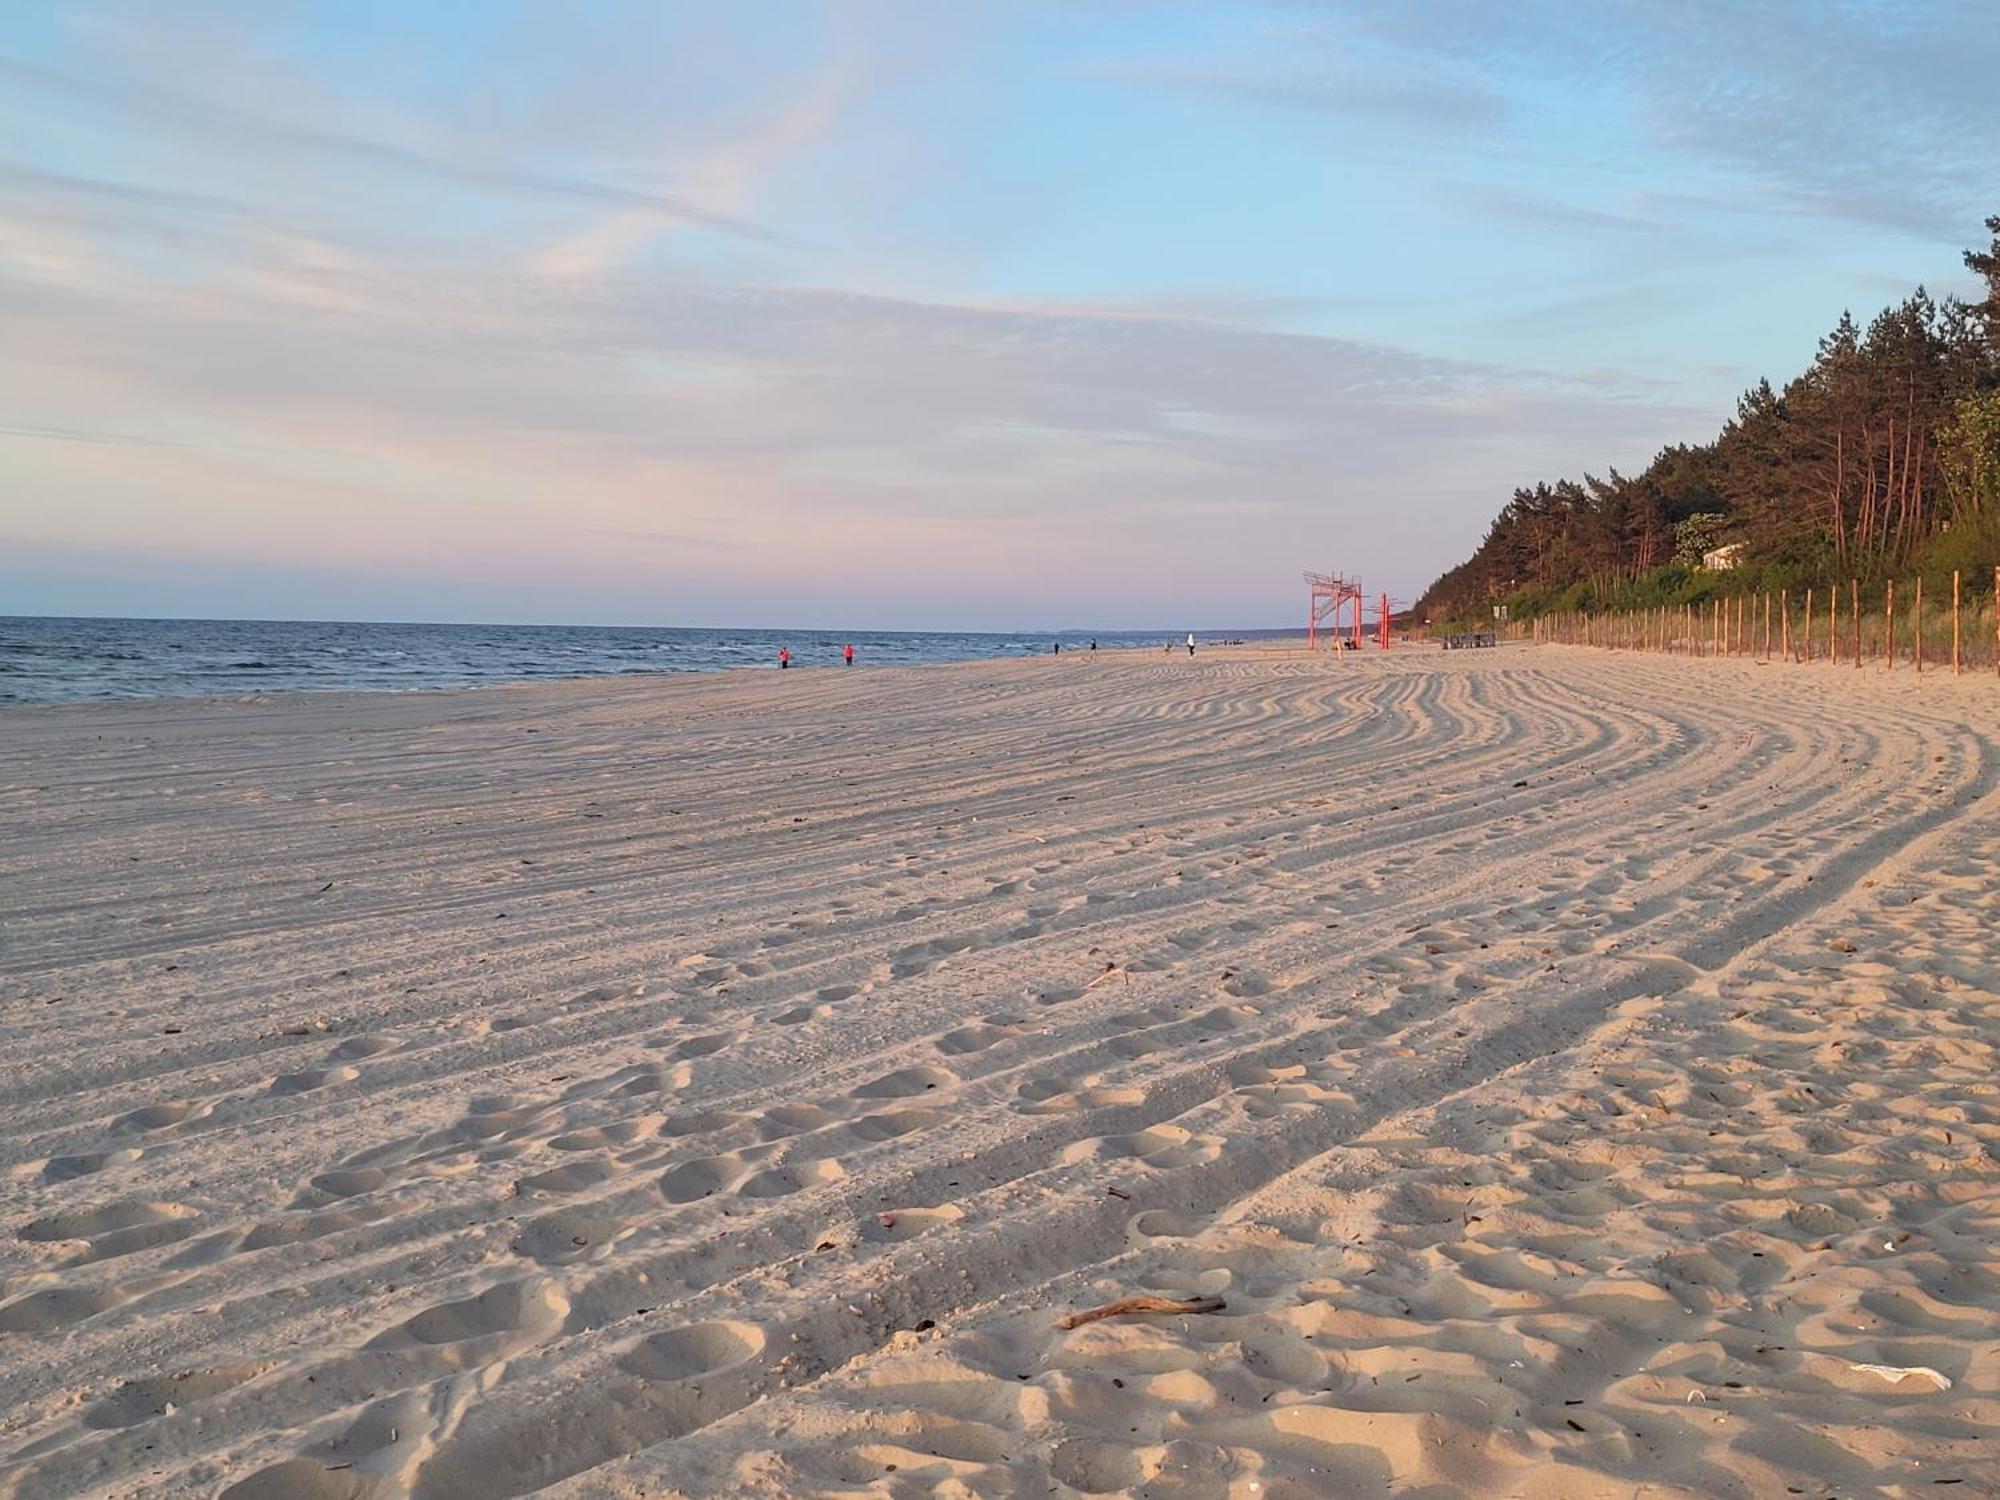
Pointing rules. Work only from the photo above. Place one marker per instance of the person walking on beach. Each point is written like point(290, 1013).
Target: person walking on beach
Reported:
point(784, 657)
point(847, 652)
point(1190, 643)
point(1058, 649)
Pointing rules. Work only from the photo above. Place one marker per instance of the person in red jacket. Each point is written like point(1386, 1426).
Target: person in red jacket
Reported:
point(848, 652)
point(784, 657)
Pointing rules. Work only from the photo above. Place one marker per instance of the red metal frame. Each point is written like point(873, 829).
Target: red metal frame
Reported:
point(1331, 594)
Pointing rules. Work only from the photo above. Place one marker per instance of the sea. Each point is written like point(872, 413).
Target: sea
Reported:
point(58, 660)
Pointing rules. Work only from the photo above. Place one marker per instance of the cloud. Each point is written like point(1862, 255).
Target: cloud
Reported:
point(883, 432)
point(226, 126)
point(1880, 114)
point(34, 433)
point(1429, 105)
point(19, 179)
point(1540, 210)
point(726, 177)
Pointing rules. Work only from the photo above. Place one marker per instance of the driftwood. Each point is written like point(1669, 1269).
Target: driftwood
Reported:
point(1127, 1305)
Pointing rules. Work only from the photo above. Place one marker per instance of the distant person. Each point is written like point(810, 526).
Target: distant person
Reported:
point(1093, 645)
point(784, 657)
point(1190, 643)
point(1058, 649)
point(847, 652)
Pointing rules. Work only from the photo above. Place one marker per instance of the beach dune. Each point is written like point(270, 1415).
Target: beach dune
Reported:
point(1573, 1073)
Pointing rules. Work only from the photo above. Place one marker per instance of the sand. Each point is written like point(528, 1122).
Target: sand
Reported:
point(1571, 1070)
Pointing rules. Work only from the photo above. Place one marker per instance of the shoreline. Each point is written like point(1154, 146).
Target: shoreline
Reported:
point(92, 660)
point(278, 696)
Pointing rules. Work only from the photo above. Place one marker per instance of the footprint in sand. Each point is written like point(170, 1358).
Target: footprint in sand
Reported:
point(137, 1237)
point(67, 1168)
point(571, 1177)
point(888, 1124)
point(792, 1177)
point(799, 1014)
point(905, 1082)
point(115, 1231)
point(139, 1401)
point(704, 1177)
point(604, 1137)
point(1160, 1224)
point(1069, 1101)
point(568, 1237)
point(1165, 1147)
point(341, 1183)
point(969, 1039)
point(59, 1307)
point(702, 1046)
point(373, 1044)
point(157, 1117)
point(1038, 1090)
point(304, 1479)
point(312, 1079)
point(513, 1313)
point(1135, 1045)
point(1093, 1467)
point(643, 1081)
point(698, 1350)
point(794, 1119)
point(494, 1116)
point(90, 1223)
point(298, 1228)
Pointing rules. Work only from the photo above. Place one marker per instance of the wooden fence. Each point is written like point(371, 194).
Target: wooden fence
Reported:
point(1821, 625)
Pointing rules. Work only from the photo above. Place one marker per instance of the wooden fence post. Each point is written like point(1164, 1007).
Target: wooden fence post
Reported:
point(1918, 612)
point(1805, 632)
point(1889, 625)
point(1784, 623)
point(1954, 622)
point(1854, 601)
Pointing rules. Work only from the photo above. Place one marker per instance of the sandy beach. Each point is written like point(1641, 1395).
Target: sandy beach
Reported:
point(1574, 1073)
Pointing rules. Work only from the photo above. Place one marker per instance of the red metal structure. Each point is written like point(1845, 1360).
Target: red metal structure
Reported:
point(1331, 594)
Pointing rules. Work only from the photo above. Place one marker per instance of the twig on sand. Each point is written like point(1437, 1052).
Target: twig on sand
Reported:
point(1127, 1305)
point(1110, 969)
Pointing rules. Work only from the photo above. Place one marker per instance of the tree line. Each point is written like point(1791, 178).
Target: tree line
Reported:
point(1881, 460)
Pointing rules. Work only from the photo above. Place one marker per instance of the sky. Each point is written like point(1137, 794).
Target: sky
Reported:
point(902, 314)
